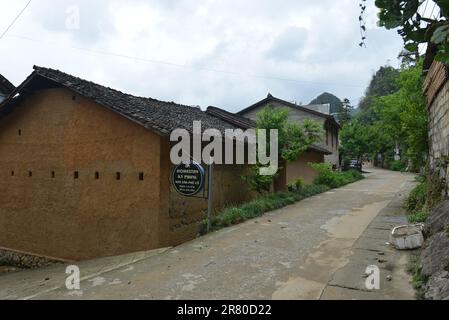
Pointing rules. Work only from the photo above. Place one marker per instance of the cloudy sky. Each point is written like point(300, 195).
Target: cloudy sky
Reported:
point(226, 53)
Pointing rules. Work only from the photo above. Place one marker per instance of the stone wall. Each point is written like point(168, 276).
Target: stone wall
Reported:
point(25, 260)
point(436, 90)
point(435, 256)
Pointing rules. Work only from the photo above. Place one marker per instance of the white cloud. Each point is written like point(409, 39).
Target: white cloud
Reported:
point(227, 53)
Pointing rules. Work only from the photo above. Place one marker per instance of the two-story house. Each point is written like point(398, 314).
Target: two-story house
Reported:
point(298, 114)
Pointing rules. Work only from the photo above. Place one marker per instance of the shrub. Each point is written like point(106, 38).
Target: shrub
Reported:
point(435, 188)
point(256, 208)
point(399, 165)
point(296, 186)
point(334, 179)
point(418, 280)
point(418, 217)
point(326, 179)
point(257, 182)
point(417, 198)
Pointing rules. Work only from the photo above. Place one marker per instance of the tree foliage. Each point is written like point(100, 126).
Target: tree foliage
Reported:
point(416, 23)
point(383, 82)
point(346, 113)
point(393, 120)
point(293, 140)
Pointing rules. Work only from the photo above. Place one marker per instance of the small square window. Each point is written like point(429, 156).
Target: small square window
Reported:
point(118, 176)
point(76, 175)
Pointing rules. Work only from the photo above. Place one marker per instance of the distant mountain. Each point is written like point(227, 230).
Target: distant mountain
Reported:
point(329, 98)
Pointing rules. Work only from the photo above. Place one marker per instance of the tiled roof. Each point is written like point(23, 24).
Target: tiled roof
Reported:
point(320, 149)
point(244, 123)
point(271, 98)
point(162, 117)
point(6, 87)
point(232, 118)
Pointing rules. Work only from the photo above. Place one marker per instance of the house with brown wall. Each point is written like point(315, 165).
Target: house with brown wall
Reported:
point(329, 144)
point(85, 170)
point(290, 172)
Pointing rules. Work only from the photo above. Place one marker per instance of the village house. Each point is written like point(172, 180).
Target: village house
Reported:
point(85, 170)
point(290, 172)
point(6, 88)
point(326, 150)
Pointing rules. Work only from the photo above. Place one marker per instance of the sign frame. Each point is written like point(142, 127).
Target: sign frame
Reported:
point(202, 172)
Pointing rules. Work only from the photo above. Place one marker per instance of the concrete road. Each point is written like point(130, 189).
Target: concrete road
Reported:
point(316, 249)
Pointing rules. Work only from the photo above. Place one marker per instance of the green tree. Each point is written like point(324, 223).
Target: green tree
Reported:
point(384, 82)
point(293, 140)
point(346, 112)
point(415, 24)
point(405, 116)
point(395, 120)
point(356, 140)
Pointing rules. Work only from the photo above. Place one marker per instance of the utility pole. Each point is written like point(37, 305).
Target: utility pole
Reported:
point(210, 196)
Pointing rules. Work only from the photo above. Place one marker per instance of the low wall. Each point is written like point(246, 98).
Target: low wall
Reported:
point(25, 260)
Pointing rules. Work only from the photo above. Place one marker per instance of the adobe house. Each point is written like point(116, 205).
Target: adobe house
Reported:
point(330, 142)
point(85, 170)
point(6, 88)
point(290, 172)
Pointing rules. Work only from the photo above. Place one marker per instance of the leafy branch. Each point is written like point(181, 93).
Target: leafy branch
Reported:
point(416, 23)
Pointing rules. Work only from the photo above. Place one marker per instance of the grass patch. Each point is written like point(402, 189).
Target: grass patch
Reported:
point(417, 198)
point(418, 217)
point(269, 202)
point(419, 281)
point(334, 179)
point(416, 203)
point(399, 166)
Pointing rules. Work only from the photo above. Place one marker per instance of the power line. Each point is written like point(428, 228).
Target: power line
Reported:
point(171, 64)
point(425, 8)
point(431, 14)
point(16, 18)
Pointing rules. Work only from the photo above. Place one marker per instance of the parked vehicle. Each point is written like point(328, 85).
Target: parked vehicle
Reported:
point(354, 164)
